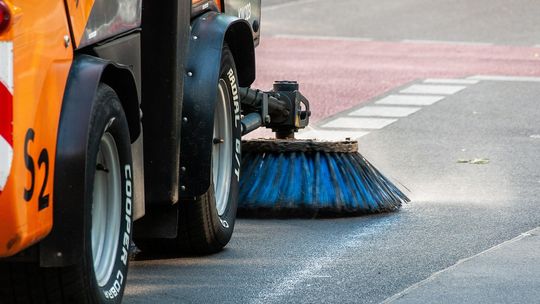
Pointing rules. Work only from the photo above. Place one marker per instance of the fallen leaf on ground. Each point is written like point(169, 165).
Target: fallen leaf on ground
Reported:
point(479, 161)
point(475, 161)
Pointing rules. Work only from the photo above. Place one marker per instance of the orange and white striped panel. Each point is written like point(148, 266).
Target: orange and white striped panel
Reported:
point(6, 111)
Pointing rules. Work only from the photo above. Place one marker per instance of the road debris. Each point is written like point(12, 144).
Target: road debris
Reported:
point(474, 161)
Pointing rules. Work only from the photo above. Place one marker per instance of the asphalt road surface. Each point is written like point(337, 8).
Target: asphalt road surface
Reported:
point(404, 78)
point(480, 21)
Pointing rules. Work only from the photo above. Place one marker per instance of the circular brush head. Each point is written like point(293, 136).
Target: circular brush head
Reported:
point(306, 178)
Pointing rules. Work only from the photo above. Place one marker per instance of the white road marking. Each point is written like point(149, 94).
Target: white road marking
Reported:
point(384, 111)
point(307, 37)
point(409, 100)
point(446, 42)
point(331, 135)
point(451, 81)
point(281, 288)
point(433, 89)
point(359, 123)
point(505, 78)
point(387, 110)
point(438, 273)
point(287, 4)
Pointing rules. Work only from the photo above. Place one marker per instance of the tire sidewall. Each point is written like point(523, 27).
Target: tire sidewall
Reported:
point(108, 116)
point(224, 224)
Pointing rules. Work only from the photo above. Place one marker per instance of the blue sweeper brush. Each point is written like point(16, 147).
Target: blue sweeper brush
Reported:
point(285, 177)
point(309, 178)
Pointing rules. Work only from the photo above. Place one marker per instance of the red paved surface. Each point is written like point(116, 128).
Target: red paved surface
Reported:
point(336, 75)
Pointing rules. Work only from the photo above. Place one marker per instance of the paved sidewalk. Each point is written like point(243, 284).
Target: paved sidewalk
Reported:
point(506, 273)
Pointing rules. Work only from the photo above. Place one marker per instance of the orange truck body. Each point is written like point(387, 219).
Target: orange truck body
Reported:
point(35, 63)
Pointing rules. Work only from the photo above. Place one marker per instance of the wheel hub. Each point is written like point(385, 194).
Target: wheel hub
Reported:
point(222, 150)
point(106, 209)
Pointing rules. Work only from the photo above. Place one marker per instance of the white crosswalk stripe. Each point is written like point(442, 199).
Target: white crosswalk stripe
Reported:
point(451, 81)
point(331, 135)
point(385, 111)
point(409, 100)
point(433, 89)
point(505, 78)
point(358, 123)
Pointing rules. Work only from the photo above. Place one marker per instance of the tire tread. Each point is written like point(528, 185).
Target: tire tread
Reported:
point(197, 226)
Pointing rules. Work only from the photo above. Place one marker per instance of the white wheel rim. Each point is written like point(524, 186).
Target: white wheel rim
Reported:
point(222, 149)
point(106, 209)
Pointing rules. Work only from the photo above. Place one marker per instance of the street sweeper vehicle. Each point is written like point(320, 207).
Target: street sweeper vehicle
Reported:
point(121, 120)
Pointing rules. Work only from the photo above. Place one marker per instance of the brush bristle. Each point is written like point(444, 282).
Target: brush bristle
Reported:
point(314, 183)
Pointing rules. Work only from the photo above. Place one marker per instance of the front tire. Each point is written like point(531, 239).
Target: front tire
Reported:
point(100, 275)
point(109, 217)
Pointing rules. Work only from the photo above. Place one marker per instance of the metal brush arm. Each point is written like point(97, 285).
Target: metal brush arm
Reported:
point(285, 110)
point(264, 103)
point(251, 122)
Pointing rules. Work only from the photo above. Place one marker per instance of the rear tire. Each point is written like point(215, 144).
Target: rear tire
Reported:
point(100, 275)
point(207, 222)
